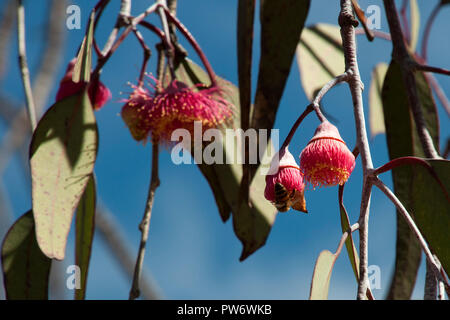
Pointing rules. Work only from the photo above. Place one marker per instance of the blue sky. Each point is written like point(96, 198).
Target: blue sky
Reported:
point(191, 254)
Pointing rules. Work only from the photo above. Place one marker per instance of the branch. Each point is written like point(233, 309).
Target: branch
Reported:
point(362, 18)
point(430, 258)
point(344, 237)
point(25, 73)
point(376, 34)
point(426, 68)
point(144, 226)
point(348, 24)
point(333, 82)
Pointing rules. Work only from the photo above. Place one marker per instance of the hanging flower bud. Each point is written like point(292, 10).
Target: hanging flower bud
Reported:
point(285, 187)
point(176, 107)
point(68, 88)
point(326, 160)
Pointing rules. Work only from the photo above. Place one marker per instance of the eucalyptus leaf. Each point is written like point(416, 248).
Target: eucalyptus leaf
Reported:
point(62, 156)
point(25, 268)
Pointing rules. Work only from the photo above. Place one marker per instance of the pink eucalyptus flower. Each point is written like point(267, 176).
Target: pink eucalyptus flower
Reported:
point(326, 160)
point(68, 88)
point(176, 107)
point(285, 187)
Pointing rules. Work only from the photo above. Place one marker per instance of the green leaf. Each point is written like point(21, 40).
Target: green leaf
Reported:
point(83, 65)
point(415, 24)
point(281, 25)
point(320, 283)
point(376, 116)
point(25, 268)
point(431, 202)
point(320, 57)
point(84, 234)
point(252, 223)
point(402, 140)
point(62, 156)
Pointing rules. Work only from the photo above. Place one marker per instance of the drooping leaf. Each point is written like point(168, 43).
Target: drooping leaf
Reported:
point(402, 140)
point(320, 56)
point(415, 24)
point(431, 202)
point(84, 234)
point(281, 25)
point(62, 156)
point(25, 268)
point(252, 223)
point(83, 65)
point(321, 277)
point(376, 117)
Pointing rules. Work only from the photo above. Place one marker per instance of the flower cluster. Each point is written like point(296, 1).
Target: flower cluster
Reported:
point(325, 161)
point(157, 114)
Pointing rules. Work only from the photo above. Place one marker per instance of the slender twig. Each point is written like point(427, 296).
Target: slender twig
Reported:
point(362, 18)
point(440, 94)
point(146, 52)
point(194, 44)
point(333, 82)
point(125, 11)
point(402, 210)
point(426, 33)
point(24, 65)
point(427, 68)
point(376, 33)
point(169, 49)
point(144, 226)
point(348, 24)
point(294, 128)
point(112, 44)
point(344, 237)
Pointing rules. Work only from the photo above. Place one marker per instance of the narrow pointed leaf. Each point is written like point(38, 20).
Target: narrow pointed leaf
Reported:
point(84, 234)
point(25, 268)
point(83, 65)
point(320, 283)
point(376, 116)
point(320, 56)
point(62, 156)
point(431, 201)
point(402, 140)
point(281, 25)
